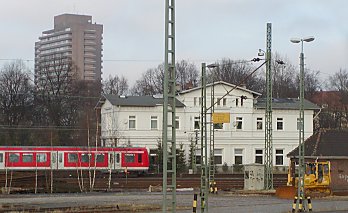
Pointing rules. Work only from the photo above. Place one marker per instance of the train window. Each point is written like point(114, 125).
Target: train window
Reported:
point(100, 158)
point(326, 169)
point(72, 157)
point(118, 158)
point(41, 157)
point(27, 158)
point(60, 157)
point(140, 158)
point(14, 157)
point(111, 159)
point(1, 157)
point(54, 157)
point(129, 158)
point(85, 158)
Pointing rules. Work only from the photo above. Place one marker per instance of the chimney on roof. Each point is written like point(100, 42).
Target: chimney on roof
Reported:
point(243, 85)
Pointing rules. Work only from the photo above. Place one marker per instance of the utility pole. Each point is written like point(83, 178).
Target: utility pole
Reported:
point(268, 114)
point(169, 116)
point(300, 205)
point(204, 149)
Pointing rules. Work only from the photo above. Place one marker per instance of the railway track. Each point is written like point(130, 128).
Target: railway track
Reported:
point(72, 181)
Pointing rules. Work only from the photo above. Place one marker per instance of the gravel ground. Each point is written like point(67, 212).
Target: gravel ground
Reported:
point(151, 202)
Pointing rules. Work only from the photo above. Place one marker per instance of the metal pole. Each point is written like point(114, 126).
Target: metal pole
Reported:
point(268, 115)
point(300, 188)
point(169, 108)
point(204, 150)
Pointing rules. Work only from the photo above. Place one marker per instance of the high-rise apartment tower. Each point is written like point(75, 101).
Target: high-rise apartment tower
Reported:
point(74, 40)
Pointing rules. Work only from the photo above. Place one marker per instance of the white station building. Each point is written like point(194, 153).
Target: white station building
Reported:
point(137, 121)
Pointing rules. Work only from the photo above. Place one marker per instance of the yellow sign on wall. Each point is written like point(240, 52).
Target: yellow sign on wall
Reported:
point(221, 117)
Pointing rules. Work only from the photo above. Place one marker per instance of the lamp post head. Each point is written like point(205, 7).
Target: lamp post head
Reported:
point(261, 53)
point(308, 39)
point(295, 40)
point(212, 65)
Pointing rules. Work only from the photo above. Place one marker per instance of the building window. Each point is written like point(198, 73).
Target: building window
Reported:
point(224, 102)
point(238, 156)
point(218, 156)
point(131, 122)
point(195, 101)
point(239, 122)
point(218, 126)
point(177, 123)
point(259, 156)
point(154, 122)
point(242, 100)
point(197, 123)
point(237, 102)
point(279, 157)
point(218, 102)
point(259, 123)
point(198, 157)
point(280, 124)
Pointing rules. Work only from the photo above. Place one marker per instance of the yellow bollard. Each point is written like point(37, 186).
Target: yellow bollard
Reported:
point(215, 188)
point(194, 204)
point(294, 205)
point(309, 204)
point(300, 205)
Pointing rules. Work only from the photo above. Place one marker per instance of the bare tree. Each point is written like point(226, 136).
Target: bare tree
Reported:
point(15, 102)
point(235, 72)
point(283, 78)
point(187, 75)
point(339, 81)
point(115, 85)
point(55, 98)
point(15, 93)
point(151, 82)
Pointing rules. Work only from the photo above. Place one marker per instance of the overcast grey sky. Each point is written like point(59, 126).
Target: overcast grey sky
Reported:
point(206, 30)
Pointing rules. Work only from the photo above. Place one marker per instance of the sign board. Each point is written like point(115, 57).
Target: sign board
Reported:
point(221, 117)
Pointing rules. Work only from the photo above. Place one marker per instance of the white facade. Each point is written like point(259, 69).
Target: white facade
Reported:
point(239, 141)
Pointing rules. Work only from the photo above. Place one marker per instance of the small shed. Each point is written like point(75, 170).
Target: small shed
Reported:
point(329, 145)
point(254, 176)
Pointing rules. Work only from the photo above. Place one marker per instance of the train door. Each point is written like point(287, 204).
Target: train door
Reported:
point(54, 160)
point(60, 162)
point(111, 161)
point(2, 160)
point(118, 161)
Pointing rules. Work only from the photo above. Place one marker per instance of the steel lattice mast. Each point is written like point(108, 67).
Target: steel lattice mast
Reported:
point(169, 123)
point(204, 148)
point(268, 115)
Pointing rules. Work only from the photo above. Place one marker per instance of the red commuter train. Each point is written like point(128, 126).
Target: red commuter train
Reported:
point(130, 159)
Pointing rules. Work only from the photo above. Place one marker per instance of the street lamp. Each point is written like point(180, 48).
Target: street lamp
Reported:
point(204, 142)
point(301, 147)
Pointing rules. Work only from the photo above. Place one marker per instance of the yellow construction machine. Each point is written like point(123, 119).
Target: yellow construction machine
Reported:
point(317, 179)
